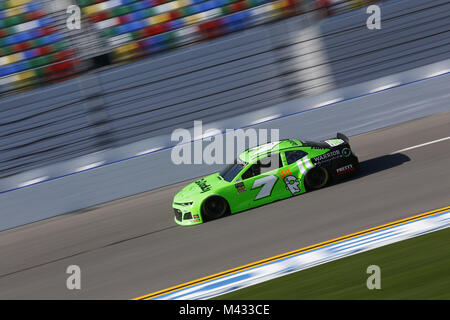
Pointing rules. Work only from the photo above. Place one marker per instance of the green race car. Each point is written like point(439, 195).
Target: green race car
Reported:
point(263, 174)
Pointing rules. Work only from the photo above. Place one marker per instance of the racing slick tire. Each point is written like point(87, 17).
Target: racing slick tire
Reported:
point(316, 178)
point(214, 207)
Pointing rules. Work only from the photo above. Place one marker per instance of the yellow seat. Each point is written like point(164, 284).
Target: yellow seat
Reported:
point(195, 18)
point(160, 18)
point(14, 11)
point(25, 75)
point(91, 9)
point(16, 3)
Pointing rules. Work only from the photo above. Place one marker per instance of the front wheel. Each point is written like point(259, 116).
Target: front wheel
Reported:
point(214, 208)
point(316, 178)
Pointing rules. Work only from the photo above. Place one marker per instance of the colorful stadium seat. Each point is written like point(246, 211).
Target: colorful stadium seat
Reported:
point(31, 46)
point(34, 49)
point(133, 27)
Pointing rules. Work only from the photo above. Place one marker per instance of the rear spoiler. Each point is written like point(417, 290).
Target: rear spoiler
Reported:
point(342, 137)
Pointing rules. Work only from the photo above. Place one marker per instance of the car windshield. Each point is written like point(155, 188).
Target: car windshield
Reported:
point(232, 171)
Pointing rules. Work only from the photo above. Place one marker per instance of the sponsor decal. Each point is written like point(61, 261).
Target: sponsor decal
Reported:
point(304, 164)
point(290, 180)
point(240, 187)
point(334, 142)
point(345, 169)
point(346, 152)
point(327, 156)
point(284, 173)
point(203, 185)
point(292, 184)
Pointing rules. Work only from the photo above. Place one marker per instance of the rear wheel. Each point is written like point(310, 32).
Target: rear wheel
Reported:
point(316, 178)
point(214, 208)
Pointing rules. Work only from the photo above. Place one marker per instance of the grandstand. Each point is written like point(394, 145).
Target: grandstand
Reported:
point(36, 47)
point(33, 47)
point(139, 27)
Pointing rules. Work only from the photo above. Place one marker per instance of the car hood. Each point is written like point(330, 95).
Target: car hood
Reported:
point(200, 188)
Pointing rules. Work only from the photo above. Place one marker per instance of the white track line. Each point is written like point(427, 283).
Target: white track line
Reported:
point(421, 145)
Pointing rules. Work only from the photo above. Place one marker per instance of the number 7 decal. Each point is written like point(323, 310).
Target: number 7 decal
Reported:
point(267, 184)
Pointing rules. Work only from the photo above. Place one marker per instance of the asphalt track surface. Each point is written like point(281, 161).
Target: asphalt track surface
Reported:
point(131, 247)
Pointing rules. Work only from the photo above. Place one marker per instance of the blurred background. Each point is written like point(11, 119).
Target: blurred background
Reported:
point(37, 47)
point(140, 68)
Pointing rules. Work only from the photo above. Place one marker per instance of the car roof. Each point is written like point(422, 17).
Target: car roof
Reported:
point(258, 152)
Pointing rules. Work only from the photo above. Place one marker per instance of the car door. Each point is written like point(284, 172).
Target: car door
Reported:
point(260, 183)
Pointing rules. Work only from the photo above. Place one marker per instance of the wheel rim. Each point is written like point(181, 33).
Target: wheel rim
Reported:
point(215, 208)
point(317, 178)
